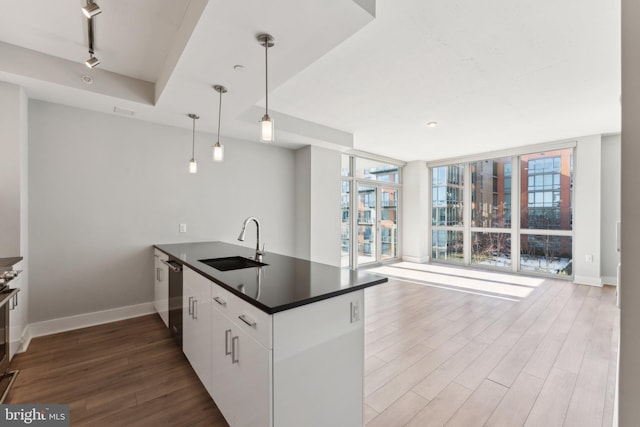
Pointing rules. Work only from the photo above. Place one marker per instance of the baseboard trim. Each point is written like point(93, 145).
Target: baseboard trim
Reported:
point(63, 324)
point(587, 280)
point(610, 280)
point(415, 259)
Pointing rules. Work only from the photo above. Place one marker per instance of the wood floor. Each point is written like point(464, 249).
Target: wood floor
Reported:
point(434, 356)
point(440, 357)
point(128, 373)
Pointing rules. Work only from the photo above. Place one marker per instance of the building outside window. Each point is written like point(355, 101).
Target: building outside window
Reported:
point(372, 188)
point(546, 212)
point(473, 220)
point(447, 197)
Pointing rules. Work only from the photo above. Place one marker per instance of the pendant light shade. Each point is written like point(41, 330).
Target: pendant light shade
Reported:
point(218, 152)
point(266, 129)
point(266, 124)
point(218, 149)
point(193, 165)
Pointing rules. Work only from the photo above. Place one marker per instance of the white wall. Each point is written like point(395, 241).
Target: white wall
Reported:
point(104, 188)
point(586, 217)
point(11, 97)
point(14, 198)
point(610, 208)
point(325, 205)
point(318, 189)
point(415, 212)
point(629, 385)
point(303, 202)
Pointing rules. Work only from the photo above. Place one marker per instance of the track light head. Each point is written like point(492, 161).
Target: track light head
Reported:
point(92, 61)
point(91, 10)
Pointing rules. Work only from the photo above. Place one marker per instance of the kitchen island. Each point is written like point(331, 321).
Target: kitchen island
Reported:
point(280, 344)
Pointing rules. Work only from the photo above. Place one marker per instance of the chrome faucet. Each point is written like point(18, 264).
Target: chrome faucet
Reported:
point(259, 252)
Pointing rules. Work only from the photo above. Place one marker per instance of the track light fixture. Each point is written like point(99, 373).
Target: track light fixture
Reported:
point(218, 149)
point(266, 123)
point(92, 61)
point(91, 9)
point(193, 165)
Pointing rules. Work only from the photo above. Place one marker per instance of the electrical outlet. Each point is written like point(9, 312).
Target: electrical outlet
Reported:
point(355, 311)
point(589, 258)
point(183, 228)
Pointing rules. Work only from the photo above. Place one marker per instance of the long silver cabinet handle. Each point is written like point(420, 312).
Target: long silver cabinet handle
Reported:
point(247, 320)
point(174, 266)
point(235, 350)
point(227, 335)
point(190, 306)
point(195, 311)
point(220, 301)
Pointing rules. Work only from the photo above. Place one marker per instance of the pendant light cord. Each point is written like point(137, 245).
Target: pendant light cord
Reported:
point(266, 74)
point(219, 115)
point(193, 140)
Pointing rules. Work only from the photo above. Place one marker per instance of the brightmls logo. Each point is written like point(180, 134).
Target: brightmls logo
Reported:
point(34, 415)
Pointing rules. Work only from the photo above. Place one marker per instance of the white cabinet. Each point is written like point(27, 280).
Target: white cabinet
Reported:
point(298, 367)
point(161, 286)
point(318, 363)
point(196, 324)
point(241, 374)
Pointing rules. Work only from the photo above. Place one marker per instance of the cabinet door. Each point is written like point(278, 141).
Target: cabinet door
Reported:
point(196, 318)
point(241, 379)
point(161, 286)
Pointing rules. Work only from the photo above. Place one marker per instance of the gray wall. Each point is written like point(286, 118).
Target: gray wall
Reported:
point(629, 386)
point(104, 188)
point(610, 257)
point(11, 98)
point(318, 190)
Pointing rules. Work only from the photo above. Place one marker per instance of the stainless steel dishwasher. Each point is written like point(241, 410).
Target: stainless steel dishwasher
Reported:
point(175, 298)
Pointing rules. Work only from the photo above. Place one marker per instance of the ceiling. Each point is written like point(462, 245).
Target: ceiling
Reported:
point(361, 74)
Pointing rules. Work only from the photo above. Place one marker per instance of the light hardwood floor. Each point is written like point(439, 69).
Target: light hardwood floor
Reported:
point(434, 356)
point(437, 356)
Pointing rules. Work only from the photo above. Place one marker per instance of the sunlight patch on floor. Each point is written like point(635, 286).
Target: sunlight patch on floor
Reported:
point(463, 280)
point(513, 279)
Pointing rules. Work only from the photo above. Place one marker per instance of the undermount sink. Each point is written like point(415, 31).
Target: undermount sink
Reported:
point(231, 263)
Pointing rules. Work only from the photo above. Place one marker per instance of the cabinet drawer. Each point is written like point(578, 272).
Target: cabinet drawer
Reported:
point(250, 319)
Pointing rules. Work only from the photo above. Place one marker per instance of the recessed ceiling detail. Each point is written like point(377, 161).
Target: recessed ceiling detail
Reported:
point(498, 77)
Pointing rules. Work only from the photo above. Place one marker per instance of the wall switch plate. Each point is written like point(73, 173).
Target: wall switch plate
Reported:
point(355, 311)
point(589, 258)
point(183, 228)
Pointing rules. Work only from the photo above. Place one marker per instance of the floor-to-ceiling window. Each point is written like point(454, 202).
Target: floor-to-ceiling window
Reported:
point(491, 212)
point(473, 218)
point(447, 220)
point(370, 206)
point(546, 212)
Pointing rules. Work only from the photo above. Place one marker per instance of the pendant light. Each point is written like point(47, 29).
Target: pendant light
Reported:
point(218, 149)
point(266, 124)
point(193, 165)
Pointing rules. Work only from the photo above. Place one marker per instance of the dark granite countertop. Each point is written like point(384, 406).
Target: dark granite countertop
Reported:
point(284, 283)
point(9, 261)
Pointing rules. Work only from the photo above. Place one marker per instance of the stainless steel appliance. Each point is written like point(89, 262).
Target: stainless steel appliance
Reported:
point(175, 298)
point(8, 301)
